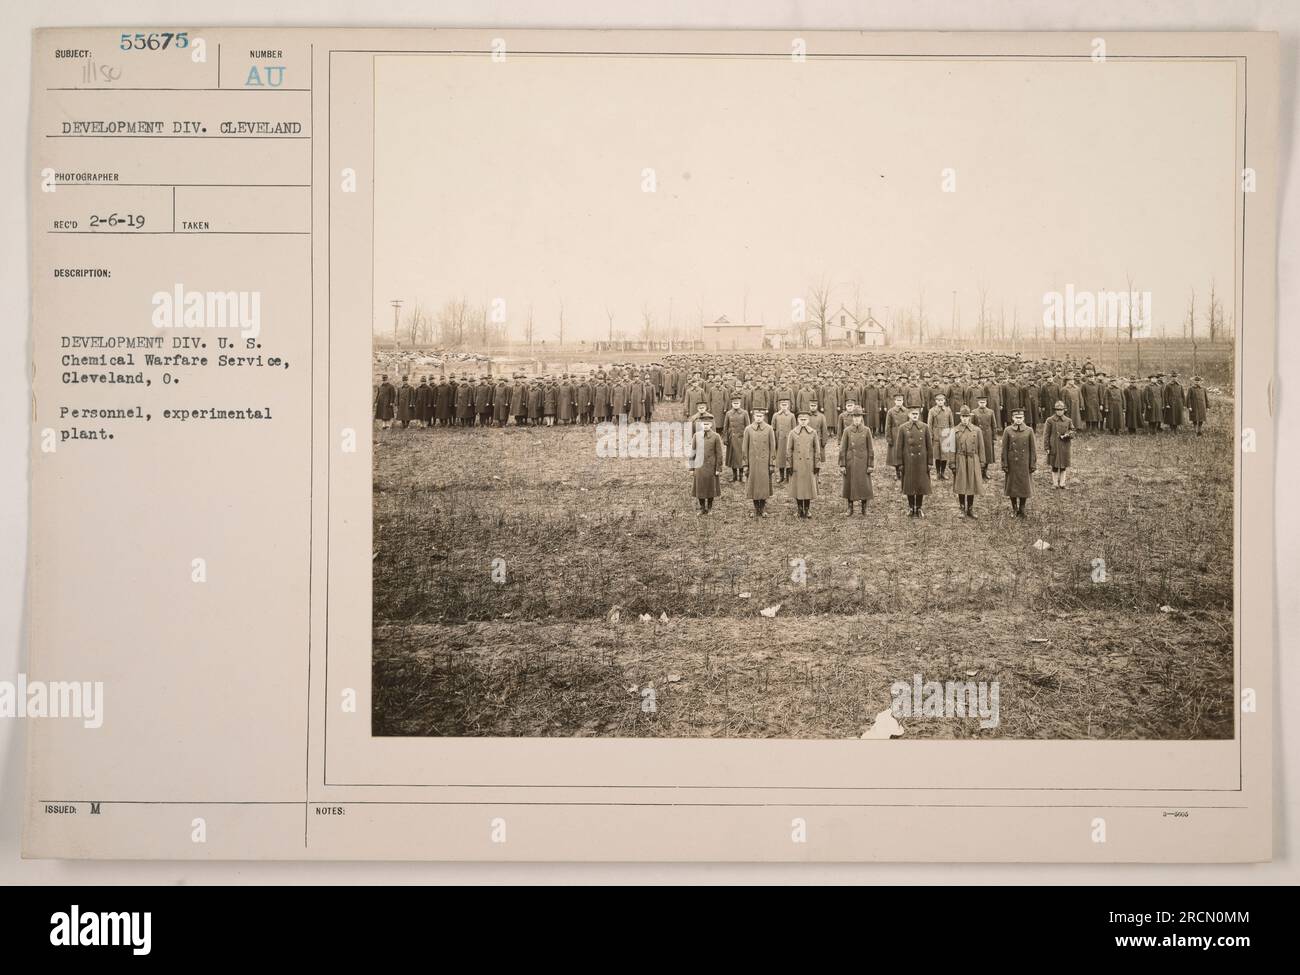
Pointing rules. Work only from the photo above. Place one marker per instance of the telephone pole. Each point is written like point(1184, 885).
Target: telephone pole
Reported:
point(397, 311)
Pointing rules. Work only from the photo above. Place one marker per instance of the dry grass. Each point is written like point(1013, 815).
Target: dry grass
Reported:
point(456, 653)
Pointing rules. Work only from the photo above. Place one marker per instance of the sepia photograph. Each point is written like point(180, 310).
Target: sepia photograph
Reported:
point(782, 397)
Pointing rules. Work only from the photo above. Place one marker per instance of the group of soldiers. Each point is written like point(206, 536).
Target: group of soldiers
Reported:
point(775, 427)
point(547, 400)
point(769, 417)
point(1093, 400)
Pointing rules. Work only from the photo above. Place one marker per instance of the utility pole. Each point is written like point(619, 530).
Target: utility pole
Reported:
point(397, 312)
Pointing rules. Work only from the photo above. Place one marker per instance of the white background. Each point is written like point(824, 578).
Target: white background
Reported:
point(1282, 16)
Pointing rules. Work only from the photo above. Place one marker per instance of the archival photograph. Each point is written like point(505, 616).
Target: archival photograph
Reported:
point(798, 397)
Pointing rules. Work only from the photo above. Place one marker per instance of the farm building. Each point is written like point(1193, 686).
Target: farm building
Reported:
point(724, 335)
point(843, 328)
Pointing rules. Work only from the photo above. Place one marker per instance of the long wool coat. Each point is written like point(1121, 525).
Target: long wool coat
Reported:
point(758, 453)
point(695, 395)
point(733, 436)
point(1092, 400)
point(940, 422)
point(914, 450)
point(1057, 433)
point(1174, 404)
point(1114, 409)
point(1073, 401)
point(405, 403)
point(969, 458)
point(783, 423)
point(564, 401)
point(464, 400)
point(718, 401)
point(1029, 400)
point(1153, 400)
point(857, 458)
point(1132, 407)
point(985, 421)
point(804, 449)
point(894, 419)
point(829, 405)
point(385, 401)
point(1198, 403)
point(1019, 461)
point(706, 465)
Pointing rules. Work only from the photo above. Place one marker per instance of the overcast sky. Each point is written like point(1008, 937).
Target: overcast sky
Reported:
point(523, 180)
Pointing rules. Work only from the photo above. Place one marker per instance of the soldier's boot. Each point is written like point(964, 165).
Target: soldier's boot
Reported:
point(864, 508)
point(920, 500)
point(850, 514)
point(758, 509)
point(984, 471)
point(762, 509)
point(701, 500)
point(970, 506)
point(708, 504)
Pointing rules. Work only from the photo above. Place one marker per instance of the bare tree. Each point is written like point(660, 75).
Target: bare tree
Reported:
point(561, 321)
point(1215, 314)
point(452, 320)
point(920, 315)
point(859, 307)
point(419, 325)
point(1190, 321)
point(983, 322)
point(1132, 311)
point(610, 316)
point(818, 311)
point(647, 322)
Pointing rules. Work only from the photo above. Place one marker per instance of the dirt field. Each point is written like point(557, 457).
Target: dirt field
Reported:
point(589, 545)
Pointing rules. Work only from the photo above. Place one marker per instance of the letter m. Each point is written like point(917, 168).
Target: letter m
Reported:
point(223, 309)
